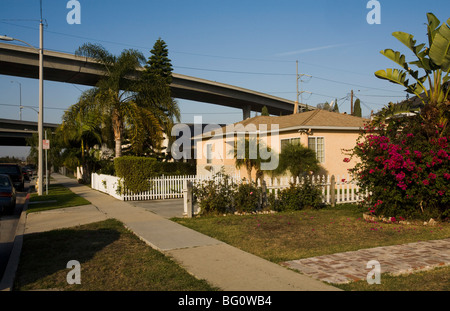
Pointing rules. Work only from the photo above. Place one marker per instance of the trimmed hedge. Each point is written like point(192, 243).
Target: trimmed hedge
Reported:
point(136, 171)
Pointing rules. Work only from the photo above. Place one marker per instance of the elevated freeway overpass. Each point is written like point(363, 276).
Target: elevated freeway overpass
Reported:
point(15, 132)
point(23, 61)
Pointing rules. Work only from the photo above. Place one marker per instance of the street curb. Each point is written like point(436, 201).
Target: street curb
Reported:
point(7, 282)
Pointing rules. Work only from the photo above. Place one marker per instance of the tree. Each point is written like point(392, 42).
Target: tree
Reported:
point(247, 153)
point(433, 63)
point(298, 160)
point(357, 108)
point(54, 153)
point(404, 157)
point(265, 111)
point(159, 63)
point(324, 106)
point(134, 106)
point(336, 107)
point(80, 130)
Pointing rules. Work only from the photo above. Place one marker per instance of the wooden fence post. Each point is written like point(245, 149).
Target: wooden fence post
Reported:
point(333, 191)
point(263, 194)
point(188, 199)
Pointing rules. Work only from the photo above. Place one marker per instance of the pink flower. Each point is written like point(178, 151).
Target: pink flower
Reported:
point(425, 182)
point(400, 176)
point(446, 175)
point(432, 176)
point(393, 219)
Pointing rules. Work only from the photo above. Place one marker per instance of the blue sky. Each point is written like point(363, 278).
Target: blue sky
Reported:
point(252, 44)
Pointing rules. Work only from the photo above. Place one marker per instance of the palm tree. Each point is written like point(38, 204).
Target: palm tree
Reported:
point(298, 160)
point(247, 153)
point(136, 106)
point(80, 130)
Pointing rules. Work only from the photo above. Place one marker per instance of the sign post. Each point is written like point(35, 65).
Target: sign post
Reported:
point(46, 146)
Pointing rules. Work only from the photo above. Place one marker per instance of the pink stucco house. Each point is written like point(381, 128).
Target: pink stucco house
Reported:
point(329, 134)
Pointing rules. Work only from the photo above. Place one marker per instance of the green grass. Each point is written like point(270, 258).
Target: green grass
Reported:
point(294, 235)
point(111, 258)
point(288, 236)
point(437, 279)
point(62, 196)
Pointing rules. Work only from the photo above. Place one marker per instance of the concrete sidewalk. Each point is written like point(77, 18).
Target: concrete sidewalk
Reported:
point(222, 265)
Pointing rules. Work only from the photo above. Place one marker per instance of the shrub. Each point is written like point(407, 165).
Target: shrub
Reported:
point(247, 198)
point(135, 172)
point(297, 197)
point(215, 196)
point(176, 168)
point(405, 167)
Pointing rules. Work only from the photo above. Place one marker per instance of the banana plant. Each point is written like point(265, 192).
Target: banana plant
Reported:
point(434, 61)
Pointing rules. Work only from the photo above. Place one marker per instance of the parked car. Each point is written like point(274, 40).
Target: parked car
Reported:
point(15, 173)
point(25, 174)
point(30, 169)
point(7, 194)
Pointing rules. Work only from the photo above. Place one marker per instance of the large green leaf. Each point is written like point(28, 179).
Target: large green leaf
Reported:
point(424, 63)
point(396, 57)
point(440, 50)
point(399, 77)
point(393, 75)
point(433, 24)
point(406, 39)
point(415, 88)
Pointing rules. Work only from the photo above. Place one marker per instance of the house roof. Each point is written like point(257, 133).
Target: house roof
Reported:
point(315, 119)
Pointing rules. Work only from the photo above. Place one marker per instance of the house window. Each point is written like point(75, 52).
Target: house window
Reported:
point(209, 153)
point(287, 141)
point(317, 144)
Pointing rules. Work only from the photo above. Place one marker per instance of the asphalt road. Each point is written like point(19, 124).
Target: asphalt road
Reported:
point(8, 224)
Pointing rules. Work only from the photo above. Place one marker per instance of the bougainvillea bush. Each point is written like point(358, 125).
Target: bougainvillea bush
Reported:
point(404, 165)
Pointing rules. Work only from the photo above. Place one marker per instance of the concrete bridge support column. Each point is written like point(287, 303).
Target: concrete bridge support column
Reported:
point(246, 110)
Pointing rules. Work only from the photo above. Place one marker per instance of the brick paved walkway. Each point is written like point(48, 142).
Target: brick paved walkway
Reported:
point(351, 266)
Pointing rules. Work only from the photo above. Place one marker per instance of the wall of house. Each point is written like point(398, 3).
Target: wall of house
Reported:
point(335, 144)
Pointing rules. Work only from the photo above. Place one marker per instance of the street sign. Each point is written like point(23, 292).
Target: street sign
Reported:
point(45, 144)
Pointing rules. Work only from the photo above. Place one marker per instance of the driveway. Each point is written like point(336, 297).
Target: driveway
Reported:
point(166, 208)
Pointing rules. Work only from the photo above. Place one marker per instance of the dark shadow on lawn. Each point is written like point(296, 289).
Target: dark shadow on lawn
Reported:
point(46, 253)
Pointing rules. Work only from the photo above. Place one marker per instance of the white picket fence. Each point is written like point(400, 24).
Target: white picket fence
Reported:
point(345, 189)
point(165, 187)
point(171, 187)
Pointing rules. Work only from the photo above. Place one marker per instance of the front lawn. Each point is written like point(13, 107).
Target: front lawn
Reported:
point(111, 259)
point(294, 235)
point(437, 279)
point(58, 197)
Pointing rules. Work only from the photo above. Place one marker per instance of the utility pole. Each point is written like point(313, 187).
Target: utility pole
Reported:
point(299, 93)
point(351, 103)
point(296, 103)
point(41, 106)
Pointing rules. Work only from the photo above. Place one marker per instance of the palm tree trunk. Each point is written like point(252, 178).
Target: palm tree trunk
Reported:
point(117, 128)
point(118, 147)
point(249, 173)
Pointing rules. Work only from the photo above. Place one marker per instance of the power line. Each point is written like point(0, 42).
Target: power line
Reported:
point(34, 107)
point(285, 74)
point(145, 47)
point(237, 72)
point(351, 84)
point(211, 70)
